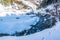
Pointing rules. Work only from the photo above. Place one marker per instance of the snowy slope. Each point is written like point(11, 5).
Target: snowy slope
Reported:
point(48, 34)
point(12, 24)
point(14, 8)
point(43, 10)
point(9, 10)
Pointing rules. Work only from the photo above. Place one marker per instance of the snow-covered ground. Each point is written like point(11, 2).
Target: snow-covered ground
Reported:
point(48, 34)
point(9, 10)
point(12, 24)
point(13, 8)
point(43, 10)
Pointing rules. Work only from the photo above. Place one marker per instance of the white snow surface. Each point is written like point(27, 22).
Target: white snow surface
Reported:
point(48, 34)
point(43, 10)
point(8, 10)
point(10, 24)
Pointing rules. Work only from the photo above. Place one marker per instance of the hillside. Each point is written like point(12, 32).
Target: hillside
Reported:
point(29, 20)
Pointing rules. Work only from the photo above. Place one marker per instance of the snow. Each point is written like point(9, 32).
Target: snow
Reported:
point(43, 10)
point(5, 10)
point(10, 24)
point(1, 8)
point(9, 10)
point(50, 7)
point(33, 6)
point(48, 34)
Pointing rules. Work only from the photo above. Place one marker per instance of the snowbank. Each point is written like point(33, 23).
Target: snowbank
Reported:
point(48, 34)
point(10, 24)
